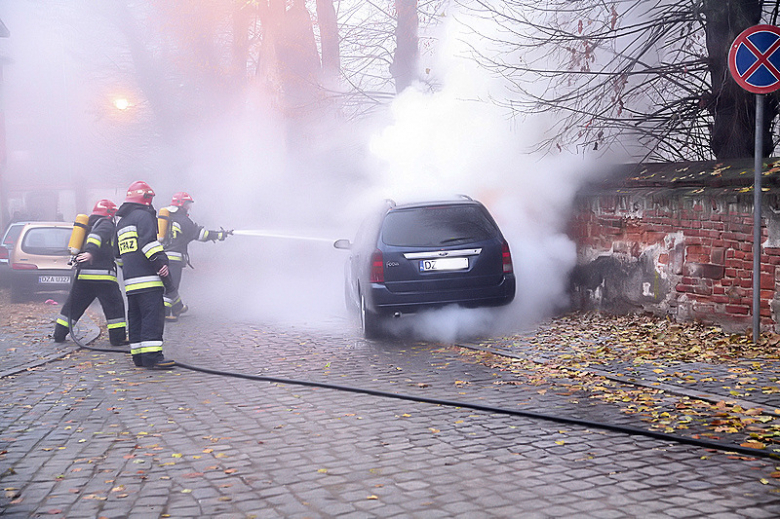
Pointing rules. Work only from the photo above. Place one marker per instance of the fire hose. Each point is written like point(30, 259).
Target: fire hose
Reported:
point(631, 431)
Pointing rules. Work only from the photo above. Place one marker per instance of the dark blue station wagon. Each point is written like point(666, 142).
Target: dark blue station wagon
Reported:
point(420, 256)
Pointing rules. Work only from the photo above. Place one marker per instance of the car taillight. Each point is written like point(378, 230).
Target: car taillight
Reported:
point(506, 257)
point(377, 268)
point(23, 266)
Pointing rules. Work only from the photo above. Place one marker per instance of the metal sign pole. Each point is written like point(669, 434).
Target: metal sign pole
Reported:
point(752, 59)
point(758, 166)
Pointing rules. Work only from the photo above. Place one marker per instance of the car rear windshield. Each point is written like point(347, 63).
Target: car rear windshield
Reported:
point(51, 241)
point(437, 226)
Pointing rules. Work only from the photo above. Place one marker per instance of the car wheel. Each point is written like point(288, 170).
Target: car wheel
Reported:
point(370, 322)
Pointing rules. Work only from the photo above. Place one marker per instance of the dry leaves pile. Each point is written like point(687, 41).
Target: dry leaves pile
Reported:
point(562, 356)
point(601, 338)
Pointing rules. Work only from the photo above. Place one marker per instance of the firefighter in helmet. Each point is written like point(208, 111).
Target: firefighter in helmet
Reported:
point(181, 231)
point(96, 278)
point(145, 268)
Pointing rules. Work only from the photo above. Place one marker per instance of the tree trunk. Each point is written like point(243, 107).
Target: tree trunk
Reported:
point(329, 38)
point(404, 66)
point(243, 16)
point(733, 108)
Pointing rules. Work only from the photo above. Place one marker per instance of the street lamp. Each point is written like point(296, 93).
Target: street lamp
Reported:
point(121, 103)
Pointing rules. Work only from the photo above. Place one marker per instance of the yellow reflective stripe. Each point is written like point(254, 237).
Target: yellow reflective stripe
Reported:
point(63, 322)
point(139, 286)
point(151, 252)
point(111, 326)
point(127, 232)
point(94, 239)
point(152, 248)
point(145, 349)
point(97, 277)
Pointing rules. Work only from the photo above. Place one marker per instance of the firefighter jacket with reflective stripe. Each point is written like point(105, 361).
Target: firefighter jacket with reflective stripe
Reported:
point(141, 254)
point(101, 233)
point(181, 231)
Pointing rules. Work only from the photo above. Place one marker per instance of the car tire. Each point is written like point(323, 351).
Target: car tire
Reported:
point(369, 321)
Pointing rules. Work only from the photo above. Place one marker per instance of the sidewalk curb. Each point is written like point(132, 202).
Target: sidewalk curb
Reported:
point(713, 398)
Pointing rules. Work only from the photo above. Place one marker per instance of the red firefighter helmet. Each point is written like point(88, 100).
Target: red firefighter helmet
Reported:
point(181, 198)
point(140, 192)
point(104, 207)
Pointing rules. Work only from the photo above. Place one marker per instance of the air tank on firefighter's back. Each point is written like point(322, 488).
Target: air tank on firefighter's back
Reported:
point(163, 218)
point(78, 234)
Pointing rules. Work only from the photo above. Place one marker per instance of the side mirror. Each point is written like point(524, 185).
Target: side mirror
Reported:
point(342, 244)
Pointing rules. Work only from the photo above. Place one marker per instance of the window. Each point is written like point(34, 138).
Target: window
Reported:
point(50, 241)
point(437, 226)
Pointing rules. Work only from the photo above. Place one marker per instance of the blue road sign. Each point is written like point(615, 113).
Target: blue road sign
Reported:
point(754, 59)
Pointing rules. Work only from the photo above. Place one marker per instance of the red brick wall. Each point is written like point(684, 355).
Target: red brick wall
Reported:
point(703, 247)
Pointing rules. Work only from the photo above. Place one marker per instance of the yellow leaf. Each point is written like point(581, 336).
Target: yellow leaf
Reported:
point(208, 451)
point(187, 491)
point(372, 497)
point(322, 471)
point(176, 455)
point(764, 481)
point(433, 430)
point(560, 442)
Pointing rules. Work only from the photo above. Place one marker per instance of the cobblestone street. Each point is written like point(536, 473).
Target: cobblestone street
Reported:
point(89, 435)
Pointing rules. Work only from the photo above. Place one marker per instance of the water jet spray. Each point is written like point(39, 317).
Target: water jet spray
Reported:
point(279, 235)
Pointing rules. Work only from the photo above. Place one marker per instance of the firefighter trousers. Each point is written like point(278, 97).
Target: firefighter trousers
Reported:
point(173, 302)
point(146, 323)
point(81, 296)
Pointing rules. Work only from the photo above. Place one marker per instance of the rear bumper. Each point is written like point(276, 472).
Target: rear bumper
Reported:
point(382, 301)
point(40, 280)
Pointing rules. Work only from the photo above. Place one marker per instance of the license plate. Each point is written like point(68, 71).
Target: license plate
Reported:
point(444, 264)
point(59, 280)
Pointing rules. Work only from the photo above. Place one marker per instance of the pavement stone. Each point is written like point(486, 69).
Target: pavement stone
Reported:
point(89, 435)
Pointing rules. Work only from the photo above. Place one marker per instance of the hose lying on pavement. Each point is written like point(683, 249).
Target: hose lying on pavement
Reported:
point(70, 308)
point(631, 431)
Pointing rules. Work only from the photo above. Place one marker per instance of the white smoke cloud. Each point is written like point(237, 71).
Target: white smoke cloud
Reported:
point(243, 175)
point(458, 140)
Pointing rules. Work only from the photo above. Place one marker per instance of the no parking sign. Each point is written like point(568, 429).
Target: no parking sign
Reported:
point(754, 59)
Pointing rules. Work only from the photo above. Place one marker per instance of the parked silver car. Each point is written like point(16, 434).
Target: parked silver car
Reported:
point(10, 236)
point(40, 260)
